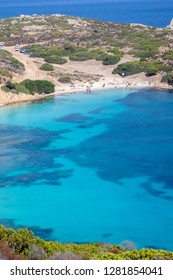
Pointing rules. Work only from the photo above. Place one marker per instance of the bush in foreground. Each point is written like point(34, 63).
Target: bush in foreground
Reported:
point(23, 242)
point(7, 253)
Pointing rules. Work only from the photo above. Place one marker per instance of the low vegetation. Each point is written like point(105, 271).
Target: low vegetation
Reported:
point(150, 68)
point(30, 87)
point(5, 73)
point(168, 78)
point(75, 76)
point(63, 38)
point(9, 66)
point(168, 55)
point(64, 79)
point(55, 59)
point(55, 54)
point(22, 244)
point(47, 67)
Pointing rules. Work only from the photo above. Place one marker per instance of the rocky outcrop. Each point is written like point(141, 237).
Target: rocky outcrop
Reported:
point(7, 98)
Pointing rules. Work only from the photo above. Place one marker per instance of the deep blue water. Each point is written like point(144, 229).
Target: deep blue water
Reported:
point(90, 167)
point(150, 12)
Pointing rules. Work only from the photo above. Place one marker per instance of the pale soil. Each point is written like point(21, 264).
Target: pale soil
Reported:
point(92, 68)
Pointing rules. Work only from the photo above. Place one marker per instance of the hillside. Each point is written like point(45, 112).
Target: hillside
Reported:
point(83, 52)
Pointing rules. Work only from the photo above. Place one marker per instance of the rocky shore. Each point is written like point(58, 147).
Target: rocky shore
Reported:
point(10, 98)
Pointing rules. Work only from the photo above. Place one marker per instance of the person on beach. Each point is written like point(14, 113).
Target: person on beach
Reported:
point(88, 89)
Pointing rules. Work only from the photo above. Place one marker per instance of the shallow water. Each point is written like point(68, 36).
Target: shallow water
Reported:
point(90, 167)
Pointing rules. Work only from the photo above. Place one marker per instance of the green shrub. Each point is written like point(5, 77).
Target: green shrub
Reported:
point(17, 64)
point(6, 89)
point(47, 67)
point(64, 80)
point(145, 53)
point(135, 67)
point(4, 53)
point(39, 86)
point(30, 87)
point(55, 59)
point(55, 51)
point(145, 47)
point(24, 242)
point(17, 88)
point(116, 52)
point(168, 79)
point(81, 56)
point(10, 85)
point(129, 68)
point(151, 70)
point(37, 50)
point(110, 60)
point(20, 88)
point(168, 55)
point(97, 54)
point(69, 49)
point(5, 73)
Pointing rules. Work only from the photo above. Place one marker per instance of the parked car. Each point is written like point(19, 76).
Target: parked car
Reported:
point(28, 52)
point(25, 51)
point(22, 50)
point(17, 48)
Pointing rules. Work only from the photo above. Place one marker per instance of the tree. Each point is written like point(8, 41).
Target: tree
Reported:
point(151, 70)
point(168, 79)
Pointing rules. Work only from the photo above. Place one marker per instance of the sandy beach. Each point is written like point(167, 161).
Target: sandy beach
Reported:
point(94, 76)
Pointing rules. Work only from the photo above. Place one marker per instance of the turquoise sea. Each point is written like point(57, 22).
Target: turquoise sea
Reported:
point(90, 167)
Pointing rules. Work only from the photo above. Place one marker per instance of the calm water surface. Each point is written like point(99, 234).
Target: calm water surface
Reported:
point(150, 12)
point(90, 167)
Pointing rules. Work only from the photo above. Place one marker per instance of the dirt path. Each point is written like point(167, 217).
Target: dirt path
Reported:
point(32, 70)
point(90, 67)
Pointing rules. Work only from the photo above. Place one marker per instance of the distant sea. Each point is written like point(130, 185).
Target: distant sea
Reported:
point(150, 12)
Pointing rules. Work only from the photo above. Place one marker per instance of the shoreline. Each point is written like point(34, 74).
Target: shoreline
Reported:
point(94, 76)
point(7, 99)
